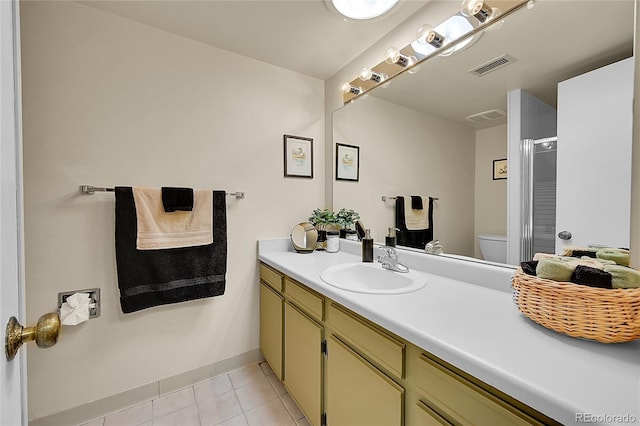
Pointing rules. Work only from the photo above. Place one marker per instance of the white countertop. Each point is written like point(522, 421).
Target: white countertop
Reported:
point(478, 328)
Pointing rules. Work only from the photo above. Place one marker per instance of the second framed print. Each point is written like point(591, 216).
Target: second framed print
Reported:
point(347, 162)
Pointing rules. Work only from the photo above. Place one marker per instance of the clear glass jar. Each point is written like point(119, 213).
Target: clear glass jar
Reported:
point(333, 241)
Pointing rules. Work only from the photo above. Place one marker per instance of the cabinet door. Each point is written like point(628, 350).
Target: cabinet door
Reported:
point(271, 304)
point(357, 392)
point(303, 362)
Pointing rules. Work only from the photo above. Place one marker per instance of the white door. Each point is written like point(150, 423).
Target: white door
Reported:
point(595, 116)
point(13, 373)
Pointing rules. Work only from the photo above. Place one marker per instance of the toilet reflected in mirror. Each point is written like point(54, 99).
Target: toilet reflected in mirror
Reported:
point(493, 247)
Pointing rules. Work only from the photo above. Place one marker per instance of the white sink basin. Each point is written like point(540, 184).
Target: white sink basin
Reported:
point(372, 278)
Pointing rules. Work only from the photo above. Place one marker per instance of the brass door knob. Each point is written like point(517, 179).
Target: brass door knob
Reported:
point(45, 334)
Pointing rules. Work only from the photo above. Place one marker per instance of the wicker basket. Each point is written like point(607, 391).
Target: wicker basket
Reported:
point(605, 315)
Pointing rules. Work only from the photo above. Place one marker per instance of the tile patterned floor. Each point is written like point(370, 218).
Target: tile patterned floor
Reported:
point(248, 396)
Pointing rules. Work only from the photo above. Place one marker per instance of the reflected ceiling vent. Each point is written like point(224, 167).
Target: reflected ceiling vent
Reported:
point(482, 117)
point(494, 64)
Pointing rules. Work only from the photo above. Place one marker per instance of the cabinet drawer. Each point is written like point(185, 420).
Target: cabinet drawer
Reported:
point(379, 347)
point(463, 402)
point(271, 277)
point(305, 298)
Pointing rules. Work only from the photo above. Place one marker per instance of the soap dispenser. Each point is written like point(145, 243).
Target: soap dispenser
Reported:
point(367, 246)
point(390, 239)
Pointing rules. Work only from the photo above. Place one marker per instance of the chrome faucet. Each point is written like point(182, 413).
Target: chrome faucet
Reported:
point(433, 247)
point(388, 257)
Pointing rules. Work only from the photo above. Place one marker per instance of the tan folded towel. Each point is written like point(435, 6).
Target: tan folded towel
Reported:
point(160, 230)
point(416, 219)
point(539, 256)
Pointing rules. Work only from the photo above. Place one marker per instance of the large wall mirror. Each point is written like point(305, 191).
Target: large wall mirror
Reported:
point(442, 131)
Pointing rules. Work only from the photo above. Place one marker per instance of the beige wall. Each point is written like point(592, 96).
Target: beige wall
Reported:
point(406, 152)
point(490, 195)
point(111, 102)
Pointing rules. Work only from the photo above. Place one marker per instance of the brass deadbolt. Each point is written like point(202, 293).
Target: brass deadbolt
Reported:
point(45, 334)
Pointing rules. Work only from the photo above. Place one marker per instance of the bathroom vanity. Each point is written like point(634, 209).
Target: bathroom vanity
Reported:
point(456, 351)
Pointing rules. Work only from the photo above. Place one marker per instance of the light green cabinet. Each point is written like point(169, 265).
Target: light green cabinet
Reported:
point(271, 318)
point(462, 402)
point(303, 338)
point(363, 374)
point(359, 394)
point(271, 306)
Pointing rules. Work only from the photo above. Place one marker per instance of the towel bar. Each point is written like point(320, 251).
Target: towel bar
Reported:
point(389, 198)
point(90, 190)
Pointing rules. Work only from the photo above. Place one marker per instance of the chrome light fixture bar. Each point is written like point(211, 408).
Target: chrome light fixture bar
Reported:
point(476, 15)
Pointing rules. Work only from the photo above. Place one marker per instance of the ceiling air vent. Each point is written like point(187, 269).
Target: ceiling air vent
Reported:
point(481, 117)
point(494, 64)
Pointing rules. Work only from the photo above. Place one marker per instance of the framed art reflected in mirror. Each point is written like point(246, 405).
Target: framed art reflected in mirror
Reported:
point(347, 162)
point(500, 169)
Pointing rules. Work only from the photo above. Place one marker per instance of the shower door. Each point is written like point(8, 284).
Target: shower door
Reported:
point(539, 165)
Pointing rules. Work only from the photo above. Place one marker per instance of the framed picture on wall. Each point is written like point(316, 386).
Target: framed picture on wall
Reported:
point(347, 162)
point(500, 169)
point(298, 156)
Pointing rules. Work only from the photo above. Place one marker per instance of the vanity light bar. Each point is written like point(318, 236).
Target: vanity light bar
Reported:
point(397, 61)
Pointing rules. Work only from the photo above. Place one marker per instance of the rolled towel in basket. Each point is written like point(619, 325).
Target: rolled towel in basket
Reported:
point(621, 257)
point(592, 277)
point(585, 261)
point(539, 256)
point(574, 251)
point(529, 267)
point(555, 269)
point(623, 277)
point(601, 261)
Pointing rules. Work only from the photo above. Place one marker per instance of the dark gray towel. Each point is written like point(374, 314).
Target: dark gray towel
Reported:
point(177, 199)
point(529, 267)
point(149, 278)
point(592, 277)
point(416, 202)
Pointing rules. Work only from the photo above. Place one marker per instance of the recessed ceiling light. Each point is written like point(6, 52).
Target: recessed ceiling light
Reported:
point(362, 9)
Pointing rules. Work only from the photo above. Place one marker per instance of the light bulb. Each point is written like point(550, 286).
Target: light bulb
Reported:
point(479, 9)
point(393, 56)
point(427, 35)
point(348, 88)
point(530, 4)
point(367, 74)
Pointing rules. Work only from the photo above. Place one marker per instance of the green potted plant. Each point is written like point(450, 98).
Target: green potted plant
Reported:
point(346, 219)
point(322, 219)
